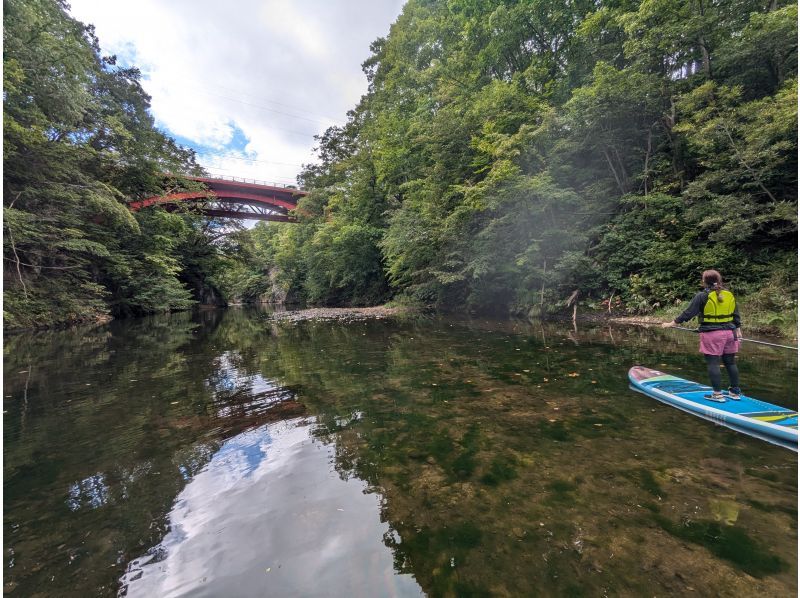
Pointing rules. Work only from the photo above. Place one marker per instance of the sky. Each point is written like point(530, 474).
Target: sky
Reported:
point(246, 83)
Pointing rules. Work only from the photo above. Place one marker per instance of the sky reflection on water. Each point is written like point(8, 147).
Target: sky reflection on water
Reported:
point(269, 515)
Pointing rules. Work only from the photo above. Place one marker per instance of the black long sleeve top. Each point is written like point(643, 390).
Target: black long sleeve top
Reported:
point(696, 308)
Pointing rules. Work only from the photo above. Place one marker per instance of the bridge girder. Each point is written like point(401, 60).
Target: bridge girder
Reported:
point(224, 199)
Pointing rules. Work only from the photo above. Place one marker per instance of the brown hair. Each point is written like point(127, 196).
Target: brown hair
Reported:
point(713, 280)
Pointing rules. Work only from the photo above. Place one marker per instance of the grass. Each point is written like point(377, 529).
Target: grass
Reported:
point(758, 315)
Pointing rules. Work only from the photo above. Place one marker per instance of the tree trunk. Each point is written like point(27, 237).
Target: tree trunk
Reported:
point(706, 57)
point(647, 157)
point(613, 171)
point(544, 273)
point(623, 172)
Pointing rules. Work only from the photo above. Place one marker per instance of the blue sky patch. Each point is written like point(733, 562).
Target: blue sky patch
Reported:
point(236, 145)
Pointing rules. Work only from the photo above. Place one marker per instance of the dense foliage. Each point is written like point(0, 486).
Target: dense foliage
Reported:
point(78, 142)
point(507, 156)
point(510, 153)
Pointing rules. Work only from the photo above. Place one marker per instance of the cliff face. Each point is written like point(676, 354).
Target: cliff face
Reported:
point(275, 292)
point(203, 292)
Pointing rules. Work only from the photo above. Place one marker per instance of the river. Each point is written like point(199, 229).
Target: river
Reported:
point(222, 454)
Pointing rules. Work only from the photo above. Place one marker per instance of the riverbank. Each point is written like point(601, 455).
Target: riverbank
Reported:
point(340, 314)
point(752, 327)
point(766, 324)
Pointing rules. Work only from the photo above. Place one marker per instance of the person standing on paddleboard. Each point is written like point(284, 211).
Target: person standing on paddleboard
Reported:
point(720, 332)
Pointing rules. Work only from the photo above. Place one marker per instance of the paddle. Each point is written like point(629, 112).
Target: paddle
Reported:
point(748, 340)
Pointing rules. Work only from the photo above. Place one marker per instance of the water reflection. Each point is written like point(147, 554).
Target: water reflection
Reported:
point(269, 516)
point(190, 453)
point(92, 492)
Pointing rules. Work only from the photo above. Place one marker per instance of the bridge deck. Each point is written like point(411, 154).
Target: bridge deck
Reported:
point(233, 199)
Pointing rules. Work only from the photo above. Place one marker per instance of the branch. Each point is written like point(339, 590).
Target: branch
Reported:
point(35, 266)
point(19, 271)
point(745, 164)
point(11, 205)
point(613, 171)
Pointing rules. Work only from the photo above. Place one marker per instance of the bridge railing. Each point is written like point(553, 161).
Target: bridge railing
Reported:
point(236, 179)
point(225, 177)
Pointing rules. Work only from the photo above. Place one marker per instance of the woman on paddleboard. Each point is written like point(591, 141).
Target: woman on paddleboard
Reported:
point(720, 332)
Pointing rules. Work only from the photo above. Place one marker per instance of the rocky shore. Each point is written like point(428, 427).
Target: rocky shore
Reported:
point(339, 314)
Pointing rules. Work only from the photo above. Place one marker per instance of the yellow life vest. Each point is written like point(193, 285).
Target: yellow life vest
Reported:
point(719, 311)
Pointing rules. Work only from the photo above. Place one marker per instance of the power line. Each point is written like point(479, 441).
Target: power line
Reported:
point(262, 99)
point(232, 157)
point(317, 122)
point(274, 178)
point(229, 170)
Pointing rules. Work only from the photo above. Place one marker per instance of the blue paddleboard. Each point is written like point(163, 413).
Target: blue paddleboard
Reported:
point(750, 416)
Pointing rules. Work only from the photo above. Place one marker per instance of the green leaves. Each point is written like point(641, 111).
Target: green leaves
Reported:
point(506, 154)
point(78, 143)
point(746, 153)
point(517, 151)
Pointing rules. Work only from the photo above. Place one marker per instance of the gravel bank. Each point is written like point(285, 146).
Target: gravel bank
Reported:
point(339, 314)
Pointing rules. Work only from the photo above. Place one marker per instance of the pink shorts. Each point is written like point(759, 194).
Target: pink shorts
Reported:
point(719, 342)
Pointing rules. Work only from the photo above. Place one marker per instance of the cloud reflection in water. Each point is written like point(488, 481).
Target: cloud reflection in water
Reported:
point(269, 515)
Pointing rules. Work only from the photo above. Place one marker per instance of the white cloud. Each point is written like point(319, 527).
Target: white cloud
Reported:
point(276, 72)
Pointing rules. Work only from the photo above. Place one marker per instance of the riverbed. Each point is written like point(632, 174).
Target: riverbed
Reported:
point(228, 453)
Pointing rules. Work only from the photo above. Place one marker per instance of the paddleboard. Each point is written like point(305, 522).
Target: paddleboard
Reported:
point(750, 416)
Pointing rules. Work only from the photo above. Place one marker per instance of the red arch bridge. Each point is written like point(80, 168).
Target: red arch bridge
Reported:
point(232, 198)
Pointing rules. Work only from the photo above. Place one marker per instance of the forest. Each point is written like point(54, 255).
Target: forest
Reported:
point(508, 157)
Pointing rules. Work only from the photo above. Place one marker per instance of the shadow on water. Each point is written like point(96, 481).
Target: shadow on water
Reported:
point(504, 458)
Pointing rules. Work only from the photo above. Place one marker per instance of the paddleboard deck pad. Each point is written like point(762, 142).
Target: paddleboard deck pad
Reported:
point(750, 416)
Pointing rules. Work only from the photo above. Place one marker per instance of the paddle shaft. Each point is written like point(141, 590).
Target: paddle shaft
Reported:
point(749, 340)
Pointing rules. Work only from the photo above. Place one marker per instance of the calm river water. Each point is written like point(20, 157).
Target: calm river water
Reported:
point(221, 454)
